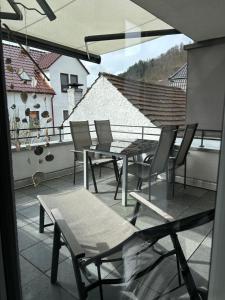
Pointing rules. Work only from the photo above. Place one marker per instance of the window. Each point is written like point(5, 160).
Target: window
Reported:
point(23, 75)
point(34, 120)
point(65, 115)
point(64, 78)
point(73, 79)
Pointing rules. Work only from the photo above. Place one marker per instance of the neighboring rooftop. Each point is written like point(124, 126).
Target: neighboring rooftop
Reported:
point(163, 105)
point(181, 73)
point(47, 60)
point(19, 60)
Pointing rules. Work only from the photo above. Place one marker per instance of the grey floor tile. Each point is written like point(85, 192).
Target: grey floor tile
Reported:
point(19, 193)
point(31, 190)
point(24, 205)
point(42, 289)
point(37, 248)
point(33, 212)
point(29, 235)
point(21, 220)
point(28, 271)
point(40, 255)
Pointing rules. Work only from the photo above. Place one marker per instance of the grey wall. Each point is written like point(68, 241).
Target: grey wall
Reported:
point(206, 86)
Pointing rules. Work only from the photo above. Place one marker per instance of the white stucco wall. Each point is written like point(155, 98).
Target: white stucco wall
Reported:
point(25, 162)
point(69, 66)
point(14, 98)
point(105, 102)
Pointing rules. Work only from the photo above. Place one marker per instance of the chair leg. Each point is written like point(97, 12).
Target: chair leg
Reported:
point(55, 254)
point(185, 173)
point(42, 219)
point(115, 166)
point(173, 174)
point(93, 175)
point(149, 190)
point(135, 213)
point(80, 285)
point(118, 183)
point(74, 169)
point(138, 183)
point(100, 280)
point(186, 273)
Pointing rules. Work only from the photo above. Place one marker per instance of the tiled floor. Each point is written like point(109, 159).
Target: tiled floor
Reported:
point(36, 249)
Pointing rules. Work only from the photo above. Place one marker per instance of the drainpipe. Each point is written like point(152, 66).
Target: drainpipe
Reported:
point(53, 116)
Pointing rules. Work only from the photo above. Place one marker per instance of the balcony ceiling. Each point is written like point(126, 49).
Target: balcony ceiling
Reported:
point(198, 19)
point(79, 18)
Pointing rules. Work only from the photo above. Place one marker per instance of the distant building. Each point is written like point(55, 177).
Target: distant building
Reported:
point(130, 102)
point(179, 78)
point(30, 94)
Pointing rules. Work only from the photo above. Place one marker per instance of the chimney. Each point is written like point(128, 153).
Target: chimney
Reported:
point(74, 95)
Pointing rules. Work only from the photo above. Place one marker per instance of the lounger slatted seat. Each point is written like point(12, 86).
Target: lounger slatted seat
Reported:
point(94, 233)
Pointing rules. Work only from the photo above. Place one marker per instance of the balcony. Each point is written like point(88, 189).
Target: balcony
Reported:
point(36, 249)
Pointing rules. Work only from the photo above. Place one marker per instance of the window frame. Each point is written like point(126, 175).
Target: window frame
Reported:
point(63, 86)
point(73, 75)
point(65, 111)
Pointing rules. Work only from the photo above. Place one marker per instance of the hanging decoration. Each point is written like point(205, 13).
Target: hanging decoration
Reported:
point(49, 157)
point(24, 97)
point(45, 114)
point(37, 106)
point(38, 177)
point(38, 150)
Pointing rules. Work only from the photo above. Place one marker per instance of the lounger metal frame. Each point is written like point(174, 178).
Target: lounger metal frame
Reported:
point(154, 234)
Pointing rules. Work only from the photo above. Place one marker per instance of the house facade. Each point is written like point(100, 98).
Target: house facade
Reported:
point(135, 103)
point(33, 101)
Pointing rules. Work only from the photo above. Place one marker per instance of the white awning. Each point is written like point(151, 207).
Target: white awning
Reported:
point(198, 19)
point(76, 19)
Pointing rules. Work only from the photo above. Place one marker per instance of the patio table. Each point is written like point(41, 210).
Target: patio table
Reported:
point(120, 149)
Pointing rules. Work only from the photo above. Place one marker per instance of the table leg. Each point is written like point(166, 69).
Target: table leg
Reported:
point(86, 175)
point(124, 182)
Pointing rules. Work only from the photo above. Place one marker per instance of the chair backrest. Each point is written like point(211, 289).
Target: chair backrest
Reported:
point(186, 143)
point(80, 134)
point(166, 142)
point(103, 131)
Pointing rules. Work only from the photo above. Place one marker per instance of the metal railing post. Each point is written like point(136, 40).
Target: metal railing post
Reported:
point(60, 134)
point(142, 132)
point(202, 140)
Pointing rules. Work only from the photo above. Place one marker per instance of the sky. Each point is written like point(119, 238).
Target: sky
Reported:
point(118, 61)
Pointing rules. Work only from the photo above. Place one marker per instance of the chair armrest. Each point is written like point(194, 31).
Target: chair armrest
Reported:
point(78, 151)
point(68, 235)
point(148, 158)
point(140, 163)
point(166, 217)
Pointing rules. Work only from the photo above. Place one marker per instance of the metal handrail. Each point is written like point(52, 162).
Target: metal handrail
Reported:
point(200, 133)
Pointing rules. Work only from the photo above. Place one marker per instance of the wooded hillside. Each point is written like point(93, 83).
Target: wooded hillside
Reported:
point(159, 69)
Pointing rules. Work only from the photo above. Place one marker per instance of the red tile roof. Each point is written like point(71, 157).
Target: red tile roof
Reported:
point(47, 60)
point(162, 105)
point(21, 60)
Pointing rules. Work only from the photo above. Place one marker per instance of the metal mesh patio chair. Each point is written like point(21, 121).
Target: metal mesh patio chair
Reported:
point(153, 165)
point(95, 234)
point(103, 131)
point(82, 138)
point(180, 158)
point(104, 136)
